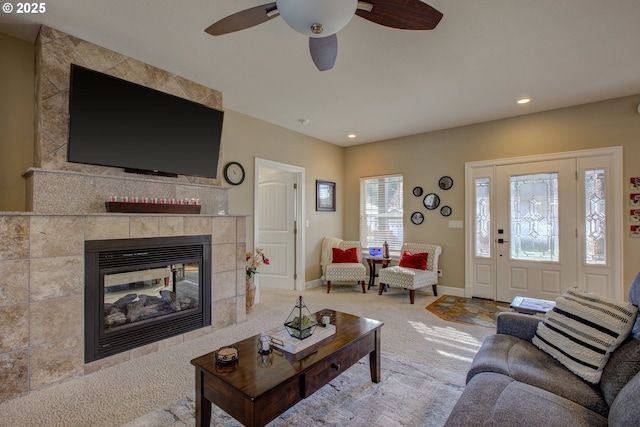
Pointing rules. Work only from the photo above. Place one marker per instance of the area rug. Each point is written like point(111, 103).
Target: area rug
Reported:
point(409, 394)
point(474, 311)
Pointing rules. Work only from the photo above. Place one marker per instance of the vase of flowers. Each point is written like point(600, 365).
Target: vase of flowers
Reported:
point(253, 261)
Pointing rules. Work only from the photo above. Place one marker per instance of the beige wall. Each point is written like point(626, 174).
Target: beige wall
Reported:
point(423, 159)
point(16, 120)
point(245, 138)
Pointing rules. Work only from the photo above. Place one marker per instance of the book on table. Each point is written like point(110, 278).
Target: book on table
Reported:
point(285, 342)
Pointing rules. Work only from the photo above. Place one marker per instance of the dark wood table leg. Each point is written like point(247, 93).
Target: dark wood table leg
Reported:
point(372, 273)
point(374, 359)
point(203, 406)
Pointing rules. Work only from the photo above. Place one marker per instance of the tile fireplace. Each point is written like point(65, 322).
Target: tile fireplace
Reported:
point(139, 291)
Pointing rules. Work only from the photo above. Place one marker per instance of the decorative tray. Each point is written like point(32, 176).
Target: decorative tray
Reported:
point(127, 207)
point(225, 355)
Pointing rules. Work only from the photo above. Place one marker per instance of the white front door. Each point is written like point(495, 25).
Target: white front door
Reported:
point(276, 229)
point(536, 231)
point(538, 225)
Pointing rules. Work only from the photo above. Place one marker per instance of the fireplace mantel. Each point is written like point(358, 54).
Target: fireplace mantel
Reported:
point(67, 192)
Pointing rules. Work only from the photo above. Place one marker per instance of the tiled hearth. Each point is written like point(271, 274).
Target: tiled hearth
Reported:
point(42, 251)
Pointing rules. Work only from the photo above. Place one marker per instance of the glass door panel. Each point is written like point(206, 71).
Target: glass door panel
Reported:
point(534, 217)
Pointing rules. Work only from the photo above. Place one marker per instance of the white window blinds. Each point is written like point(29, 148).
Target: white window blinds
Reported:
point(381, 211)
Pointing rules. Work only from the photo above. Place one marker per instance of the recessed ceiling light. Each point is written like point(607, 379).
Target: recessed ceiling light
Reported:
point(524, 100)
point(352, 135)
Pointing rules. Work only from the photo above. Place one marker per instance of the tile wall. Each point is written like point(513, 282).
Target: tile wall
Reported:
point(42, 288)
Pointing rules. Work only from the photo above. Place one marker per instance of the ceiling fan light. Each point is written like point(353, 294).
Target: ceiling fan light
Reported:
point(328, 15)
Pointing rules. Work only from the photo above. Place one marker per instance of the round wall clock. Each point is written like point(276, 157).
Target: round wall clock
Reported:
point(234, 173)
point(417, 218)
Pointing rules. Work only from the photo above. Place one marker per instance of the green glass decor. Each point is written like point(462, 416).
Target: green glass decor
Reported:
point(300, 323)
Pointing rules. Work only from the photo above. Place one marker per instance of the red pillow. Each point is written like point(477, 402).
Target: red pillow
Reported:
point(417, 261)
point(347, 255)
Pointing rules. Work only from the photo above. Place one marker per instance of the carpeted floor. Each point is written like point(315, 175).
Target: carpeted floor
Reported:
point(435, 352)
point(474, 311)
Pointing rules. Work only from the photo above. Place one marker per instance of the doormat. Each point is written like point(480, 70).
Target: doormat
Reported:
point(473, 311)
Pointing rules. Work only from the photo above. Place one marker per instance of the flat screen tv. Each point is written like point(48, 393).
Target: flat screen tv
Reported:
point(113, 122)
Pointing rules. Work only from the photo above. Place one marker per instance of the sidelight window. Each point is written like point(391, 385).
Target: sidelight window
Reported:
point(595, 217)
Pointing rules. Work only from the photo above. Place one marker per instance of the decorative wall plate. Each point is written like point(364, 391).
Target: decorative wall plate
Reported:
point(431, 201)
point(446, 182)
point(417, 191)
point(445, 211)
point(417, 218)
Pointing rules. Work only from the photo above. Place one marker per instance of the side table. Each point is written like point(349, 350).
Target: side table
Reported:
point(372, 261)
point(531, 305)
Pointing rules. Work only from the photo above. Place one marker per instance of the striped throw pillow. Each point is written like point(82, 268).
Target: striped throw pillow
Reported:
point(583, 329)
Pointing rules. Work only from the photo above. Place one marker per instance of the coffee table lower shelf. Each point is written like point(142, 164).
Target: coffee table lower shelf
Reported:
point(256, 390)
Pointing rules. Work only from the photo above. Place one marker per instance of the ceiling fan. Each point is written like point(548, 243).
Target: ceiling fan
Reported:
point(320, 20)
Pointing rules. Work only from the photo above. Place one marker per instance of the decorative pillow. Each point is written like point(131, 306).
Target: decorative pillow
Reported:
point(582, 331)
point(417, 261)
point(343, 256)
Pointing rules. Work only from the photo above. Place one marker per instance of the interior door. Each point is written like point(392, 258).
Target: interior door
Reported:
point(536, 230)
point(277, 228)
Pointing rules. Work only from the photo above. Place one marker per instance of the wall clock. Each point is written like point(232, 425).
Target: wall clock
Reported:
point(234, 173)
point(417, 218)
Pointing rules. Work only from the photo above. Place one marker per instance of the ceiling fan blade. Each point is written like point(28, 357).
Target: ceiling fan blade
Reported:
point(402, 14)
point(324, 51)
point(244, 19)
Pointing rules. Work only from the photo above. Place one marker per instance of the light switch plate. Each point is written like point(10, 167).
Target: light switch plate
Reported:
point(455, 224)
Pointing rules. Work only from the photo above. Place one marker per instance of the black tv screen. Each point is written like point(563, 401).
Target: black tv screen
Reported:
point(113, 122)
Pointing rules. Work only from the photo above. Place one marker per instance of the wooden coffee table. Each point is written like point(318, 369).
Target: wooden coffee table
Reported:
point(255, 392)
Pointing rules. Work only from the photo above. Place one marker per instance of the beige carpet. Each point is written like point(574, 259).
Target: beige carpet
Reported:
point(124, 393)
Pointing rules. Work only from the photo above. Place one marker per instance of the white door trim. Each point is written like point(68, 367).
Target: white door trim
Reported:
point(298, 216)
point(616, 209)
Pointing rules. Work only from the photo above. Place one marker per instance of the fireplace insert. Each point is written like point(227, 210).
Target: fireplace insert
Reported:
point(139, 291)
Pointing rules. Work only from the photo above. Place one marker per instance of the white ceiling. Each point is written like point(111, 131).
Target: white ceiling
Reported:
point(386, 83)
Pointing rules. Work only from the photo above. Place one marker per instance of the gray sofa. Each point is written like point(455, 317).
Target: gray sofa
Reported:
point(513, 383)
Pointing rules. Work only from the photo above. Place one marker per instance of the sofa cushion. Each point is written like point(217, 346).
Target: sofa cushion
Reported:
point(524, 362)
point(622, 366)
point(625, 410)
point(583, 329)
point(491, 399)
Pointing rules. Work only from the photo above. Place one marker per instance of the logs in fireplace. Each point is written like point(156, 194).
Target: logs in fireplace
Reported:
point(139, 291)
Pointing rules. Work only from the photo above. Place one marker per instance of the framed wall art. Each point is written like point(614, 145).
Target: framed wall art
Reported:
point(325, 196)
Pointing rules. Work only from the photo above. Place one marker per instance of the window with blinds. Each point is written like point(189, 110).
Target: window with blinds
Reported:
point(381, 211)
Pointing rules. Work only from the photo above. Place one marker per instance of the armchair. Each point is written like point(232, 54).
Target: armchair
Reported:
point(346, 271)
point(413, 278)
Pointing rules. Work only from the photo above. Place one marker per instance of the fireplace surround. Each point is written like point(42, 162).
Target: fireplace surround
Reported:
point(139, 291)
point(43, 253)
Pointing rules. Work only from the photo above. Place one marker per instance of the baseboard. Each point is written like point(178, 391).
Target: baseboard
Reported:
point(313, 284)
point(442, 290)
point(448, 290)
